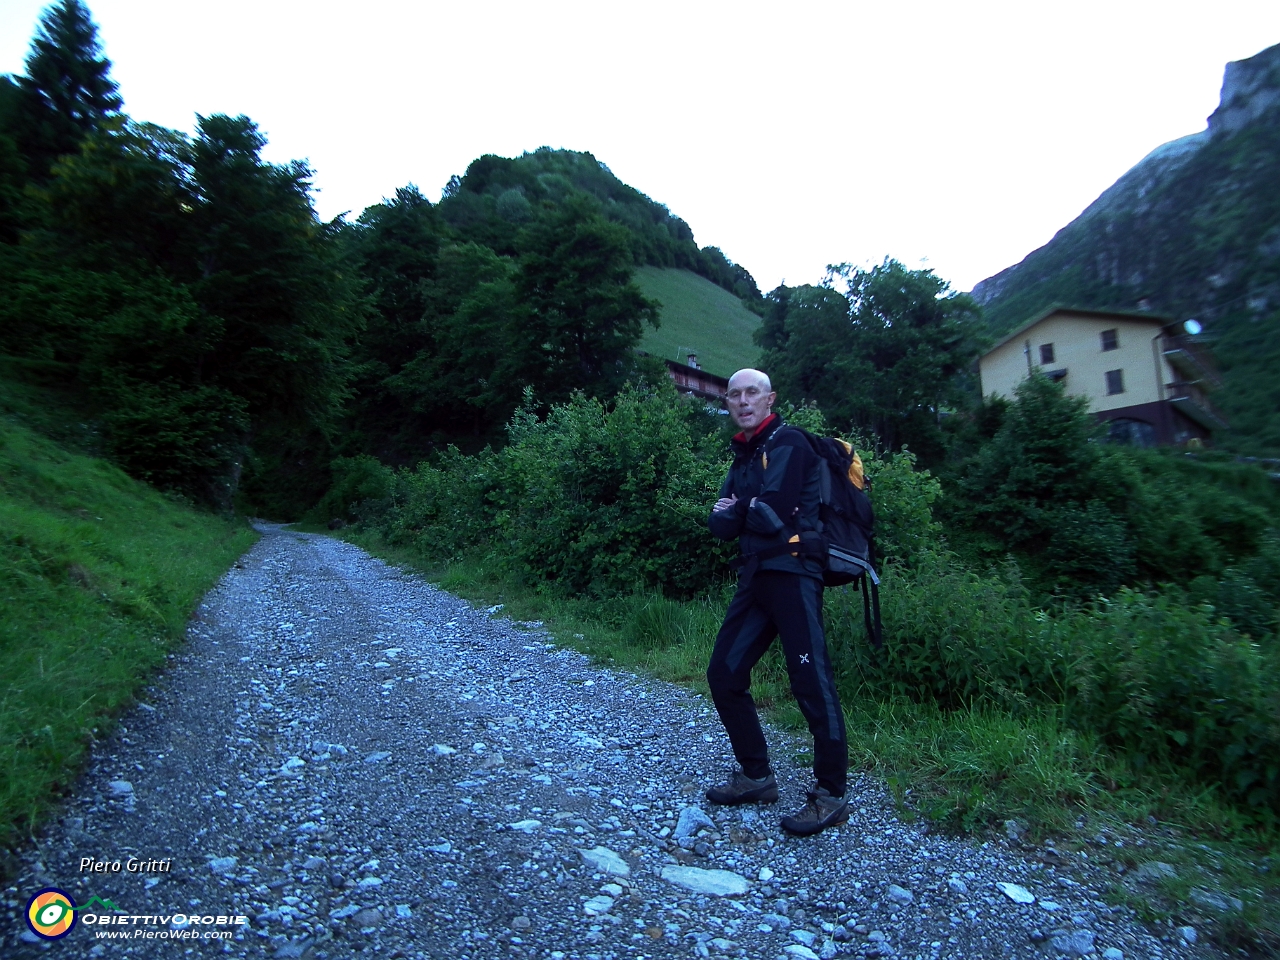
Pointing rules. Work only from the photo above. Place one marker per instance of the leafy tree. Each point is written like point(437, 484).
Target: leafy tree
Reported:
point(581, 314)
point(123, 199)
point(881, 357)
point(453, 381)
point(395, 246)
point(264, 264)
point(68, 89)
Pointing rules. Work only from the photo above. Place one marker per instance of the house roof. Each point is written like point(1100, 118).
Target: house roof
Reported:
point(1152, 318)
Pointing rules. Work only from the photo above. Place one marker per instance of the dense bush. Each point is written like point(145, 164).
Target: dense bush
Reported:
point(361, 484)
point(1086, 518)
point(1158, 679)
point(610, 499)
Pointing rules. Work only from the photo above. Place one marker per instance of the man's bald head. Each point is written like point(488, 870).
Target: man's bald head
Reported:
point(750, 399)
point(748, 375)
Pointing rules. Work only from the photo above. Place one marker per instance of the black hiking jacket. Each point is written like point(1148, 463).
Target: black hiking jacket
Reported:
point(779, 468)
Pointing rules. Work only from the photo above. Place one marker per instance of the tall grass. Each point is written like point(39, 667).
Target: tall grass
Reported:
point(98, 575)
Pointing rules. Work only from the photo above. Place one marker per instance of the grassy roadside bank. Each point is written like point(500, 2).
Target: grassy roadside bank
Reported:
point(969, 771)
point(98, 575)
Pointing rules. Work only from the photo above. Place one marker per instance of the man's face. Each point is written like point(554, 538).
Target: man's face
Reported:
point(749, 404)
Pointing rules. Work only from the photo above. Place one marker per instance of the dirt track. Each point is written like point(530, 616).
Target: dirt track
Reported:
point(360, 763)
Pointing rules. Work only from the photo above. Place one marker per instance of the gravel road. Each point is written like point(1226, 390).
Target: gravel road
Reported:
point(360, 763)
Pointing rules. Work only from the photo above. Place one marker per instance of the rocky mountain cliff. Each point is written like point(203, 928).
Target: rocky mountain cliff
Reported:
point(1193, 230)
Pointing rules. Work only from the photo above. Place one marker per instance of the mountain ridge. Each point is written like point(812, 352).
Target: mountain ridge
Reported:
point(1192, 230)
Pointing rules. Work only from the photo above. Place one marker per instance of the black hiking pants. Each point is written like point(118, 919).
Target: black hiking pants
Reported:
point(789, 606)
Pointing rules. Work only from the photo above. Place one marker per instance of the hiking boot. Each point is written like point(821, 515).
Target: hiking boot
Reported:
point(742, 789)
point(820, 811)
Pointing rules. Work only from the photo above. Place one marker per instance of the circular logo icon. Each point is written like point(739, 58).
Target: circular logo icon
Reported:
point(51, 913)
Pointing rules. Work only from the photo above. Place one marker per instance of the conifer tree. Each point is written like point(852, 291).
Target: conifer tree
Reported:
point(68, 88)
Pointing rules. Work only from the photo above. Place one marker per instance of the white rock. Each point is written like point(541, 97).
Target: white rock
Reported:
point(956, 885)
point(803, 936)
point(611, 890)
point(1016, 893)
point(1153, 871)
point(1216, 901)
point(900, 895)
point(692, 819)
point(1188, 934)
point(525, 826)
point(598, 905)
point(604, 860)
point(404, 911)
point(829, 950)
point(716, 883)
point(800, 950)
point(443, 750)
point(445, 847)
point(377, 756)
point(766, 874)
point(292, 767)
point(1111, 953)
point(368, 883)
point(121, 788)
point(223, 865)
point(1073, 943)
point(1049, 905)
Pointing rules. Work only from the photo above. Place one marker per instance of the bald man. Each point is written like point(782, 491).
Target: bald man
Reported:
point(770, 498)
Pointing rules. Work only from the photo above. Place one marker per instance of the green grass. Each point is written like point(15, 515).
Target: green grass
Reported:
point(98, 575)
point(966, 771)
point(698, 316)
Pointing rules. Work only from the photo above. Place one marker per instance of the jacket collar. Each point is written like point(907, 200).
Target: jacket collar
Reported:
point(768, 426)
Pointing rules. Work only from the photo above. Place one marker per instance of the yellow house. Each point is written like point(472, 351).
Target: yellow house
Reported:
point(1147, 376)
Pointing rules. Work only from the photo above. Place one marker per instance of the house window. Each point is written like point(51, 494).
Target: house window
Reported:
point(1046, 353)
point(1110, 340)
point(1115, 382)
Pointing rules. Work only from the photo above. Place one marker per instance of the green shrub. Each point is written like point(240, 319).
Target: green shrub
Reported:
point(1157, 679)
point(360, 484)
point(607, 500)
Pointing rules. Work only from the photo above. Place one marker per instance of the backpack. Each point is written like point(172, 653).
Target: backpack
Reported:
point(844, 542)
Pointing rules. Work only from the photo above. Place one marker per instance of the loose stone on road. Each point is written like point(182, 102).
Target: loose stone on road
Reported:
point(361, 763)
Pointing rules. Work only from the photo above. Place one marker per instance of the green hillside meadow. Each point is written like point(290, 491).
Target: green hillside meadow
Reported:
point(98, 575)
point(698, 316)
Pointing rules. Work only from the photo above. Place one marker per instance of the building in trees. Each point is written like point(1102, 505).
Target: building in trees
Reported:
point(691, 378)
point(1148, 376)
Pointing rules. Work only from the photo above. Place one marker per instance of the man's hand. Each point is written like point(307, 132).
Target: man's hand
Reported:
point(724, 503)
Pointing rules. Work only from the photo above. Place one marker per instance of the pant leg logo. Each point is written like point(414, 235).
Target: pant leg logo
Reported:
point(804, 658)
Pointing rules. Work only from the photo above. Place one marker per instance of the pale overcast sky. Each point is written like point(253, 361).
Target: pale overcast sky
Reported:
point(961, 135)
